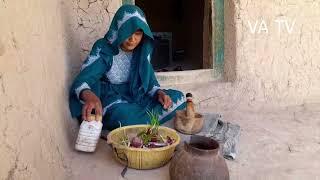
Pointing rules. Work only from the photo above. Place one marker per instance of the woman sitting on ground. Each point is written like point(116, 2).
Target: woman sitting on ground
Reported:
point(117, 80)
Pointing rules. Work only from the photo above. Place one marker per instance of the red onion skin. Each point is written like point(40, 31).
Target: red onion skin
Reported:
point(136, 142)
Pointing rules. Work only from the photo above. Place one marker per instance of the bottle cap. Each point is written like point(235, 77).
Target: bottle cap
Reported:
point(92, 117)
point(98, 118)
point(188, 95)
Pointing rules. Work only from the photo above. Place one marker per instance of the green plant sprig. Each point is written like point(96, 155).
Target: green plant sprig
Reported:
point(154, 119)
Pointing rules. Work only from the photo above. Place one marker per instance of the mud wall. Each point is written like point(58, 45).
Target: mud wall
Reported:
point(42, 44)
point(272, 49)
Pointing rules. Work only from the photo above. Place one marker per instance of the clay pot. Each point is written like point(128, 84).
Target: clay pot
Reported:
point(188, 125)
point(199, 160)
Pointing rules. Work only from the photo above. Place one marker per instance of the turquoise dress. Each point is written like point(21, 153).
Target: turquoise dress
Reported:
point(124, 82)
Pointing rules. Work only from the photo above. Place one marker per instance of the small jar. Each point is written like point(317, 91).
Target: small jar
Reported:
point(88, 136)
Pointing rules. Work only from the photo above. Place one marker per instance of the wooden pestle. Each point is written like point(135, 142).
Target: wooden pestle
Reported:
point(190, 106)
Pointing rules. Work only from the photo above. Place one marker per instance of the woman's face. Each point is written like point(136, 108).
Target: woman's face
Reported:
point(133, 41)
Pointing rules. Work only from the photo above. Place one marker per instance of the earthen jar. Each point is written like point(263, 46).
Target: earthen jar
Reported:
point(199, 160)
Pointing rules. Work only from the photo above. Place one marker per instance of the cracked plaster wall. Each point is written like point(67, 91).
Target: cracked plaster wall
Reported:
point(272, 67)
point(42, 44)
point(86, 21)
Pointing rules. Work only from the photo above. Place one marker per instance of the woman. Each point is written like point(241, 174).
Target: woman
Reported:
point(117, 80)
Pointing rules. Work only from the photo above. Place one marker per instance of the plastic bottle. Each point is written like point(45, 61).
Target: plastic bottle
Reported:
point(89, 134)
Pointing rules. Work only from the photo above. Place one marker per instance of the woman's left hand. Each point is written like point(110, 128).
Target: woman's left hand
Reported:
point(164, 99)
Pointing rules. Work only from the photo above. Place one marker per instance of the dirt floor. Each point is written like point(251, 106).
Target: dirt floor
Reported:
point(275, 143)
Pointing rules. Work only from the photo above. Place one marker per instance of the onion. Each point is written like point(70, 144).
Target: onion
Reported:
point(136, 142)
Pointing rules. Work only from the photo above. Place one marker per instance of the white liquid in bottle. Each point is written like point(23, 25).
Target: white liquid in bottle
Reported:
point(89, 134)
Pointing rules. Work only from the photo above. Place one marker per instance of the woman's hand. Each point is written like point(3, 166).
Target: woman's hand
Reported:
point(164, 99)
point(91, 102)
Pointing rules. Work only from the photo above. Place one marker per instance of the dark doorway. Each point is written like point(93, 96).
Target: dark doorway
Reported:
point(178, 29)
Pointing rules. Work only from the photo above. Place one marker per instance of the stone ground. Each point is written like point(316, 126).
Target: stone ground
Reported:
point(275, 143)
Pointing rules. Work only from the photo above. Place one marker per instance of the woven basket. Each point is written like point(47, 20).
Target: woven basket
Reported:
point(142, 158)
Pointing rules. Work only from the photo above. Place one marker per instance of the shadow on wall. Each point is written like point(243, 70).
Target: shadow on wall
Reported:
point(72, 58)
point(230, 69)
point(72, 43)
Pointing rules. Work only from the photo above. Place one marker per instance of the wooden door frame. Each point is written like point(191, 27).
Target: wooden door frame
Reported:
point(207, 62)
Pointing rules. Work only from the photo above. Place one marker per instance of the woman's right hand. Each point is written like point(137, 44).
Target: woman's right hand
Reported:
point(91, 102)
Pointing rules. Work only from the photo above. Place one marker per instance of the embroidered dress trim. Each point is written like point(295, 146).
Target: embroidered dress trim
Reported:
point(91, 59)
point(127, 16)
point(120, 69)
point(153, 90)
point(113, 103)
point(80, 88)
